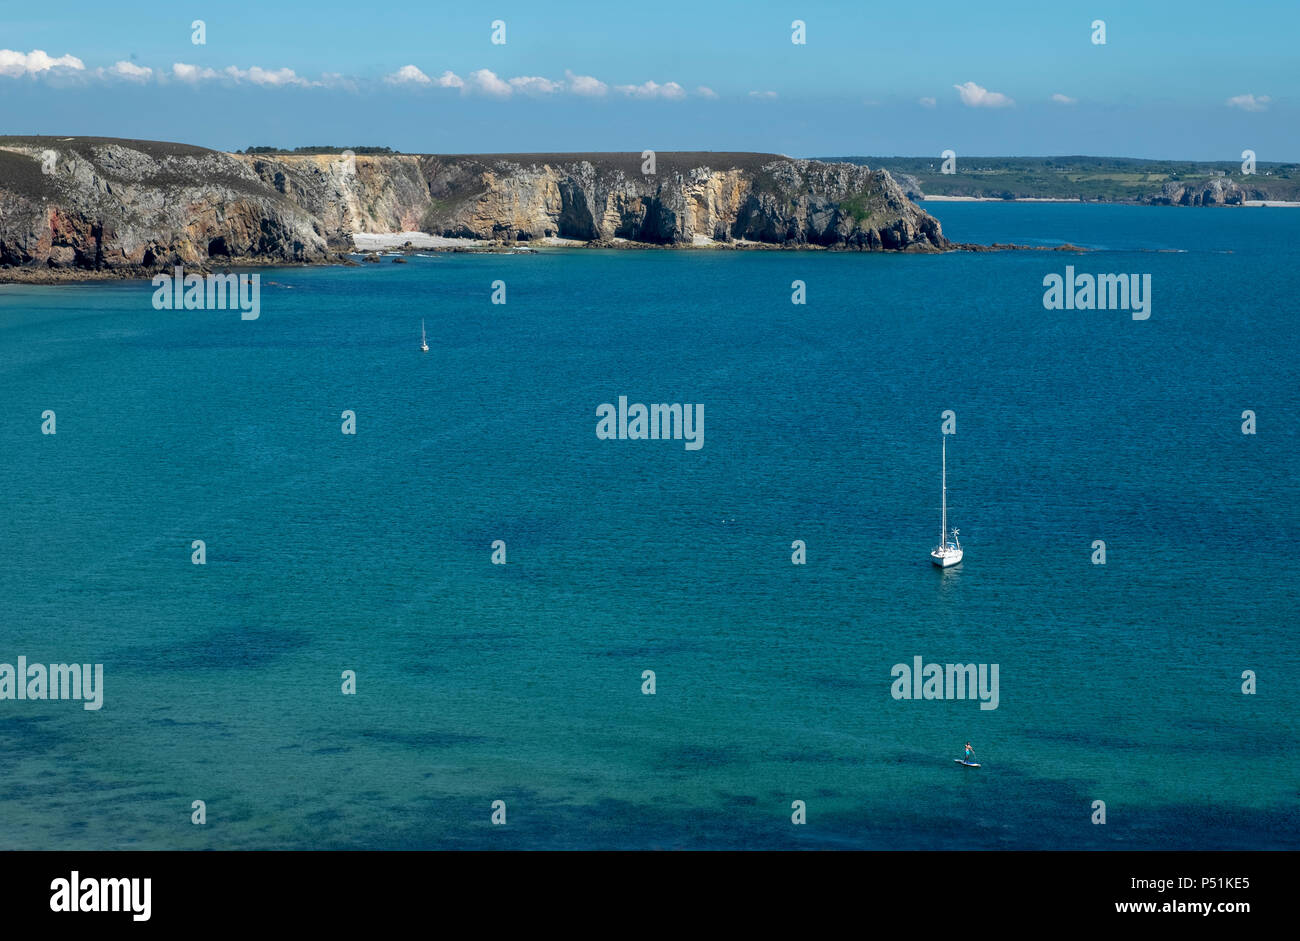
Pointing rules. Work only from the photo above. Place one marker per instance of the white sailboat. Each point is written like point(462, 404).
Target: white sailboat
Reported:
point(424, 340)
point(947, 552)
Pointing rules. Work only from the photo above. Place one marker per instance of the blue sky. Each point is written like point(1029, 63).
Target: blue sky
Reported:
point(1187, 79)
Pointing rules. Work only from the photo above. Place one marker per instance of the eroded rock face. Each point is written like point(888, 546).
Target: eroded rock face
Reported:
point(1216, 191)
point(98, 204)
point(691, 197)
point(348, 194)
point(104, 205)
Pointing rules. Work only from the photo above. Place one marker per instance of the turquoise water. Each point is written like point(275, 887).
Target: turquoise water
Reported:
point(477, 682)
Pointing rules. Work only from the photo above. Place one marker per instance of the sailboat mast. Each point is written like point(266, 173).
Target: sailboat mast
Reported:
point(943, 530)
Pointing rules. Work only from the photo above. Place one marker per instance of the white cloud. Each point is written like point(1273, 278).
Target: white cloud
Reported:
point(190, 73)
point(670, 90)
point(974, 96)
point(408, 75)
point(486, 81)
point(129, 70)
point(275, 78)
point(927, 102)
point(259, 76)
point(535, 85)
point(1064, 99)
point(337, 80)
point(585, 85)
point(15, 64)
point(481, 81)
point(762, 94)
point(1249, 102)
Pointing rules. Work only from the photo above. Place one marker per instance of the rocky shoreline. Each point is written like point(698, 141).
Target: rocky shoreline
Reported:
point(10, 274)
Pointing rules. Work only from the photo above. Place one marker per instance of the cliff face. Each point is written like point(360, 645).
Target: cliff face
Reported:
point(1216, 191)
point(690, 197)
point(1223, 191)
point(348, 194)
point(103, 205)
point(106, 205)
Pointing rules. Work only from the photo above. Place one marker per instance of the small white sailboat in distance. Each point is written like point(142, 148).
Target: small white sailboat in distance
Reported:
point(947, 552)
point(424, 340)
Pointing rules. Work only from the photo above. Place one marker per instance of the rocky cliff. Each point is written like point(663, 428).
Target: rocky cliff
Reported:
point(104, 207)
point(124, 206)
point(690, 198)
point(1215, 191)
point(605, 198)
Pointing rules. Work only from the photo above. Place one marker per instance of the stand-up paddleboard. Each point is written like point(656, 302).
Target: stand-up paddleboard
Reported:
point(968, 764)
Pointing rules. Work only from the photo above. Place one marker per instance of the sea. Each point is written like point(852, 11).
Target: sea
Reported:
point(650, 668)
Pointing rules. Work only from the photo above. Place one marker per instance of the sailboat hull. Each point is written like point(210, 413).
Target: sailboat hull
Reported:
point(946, 558)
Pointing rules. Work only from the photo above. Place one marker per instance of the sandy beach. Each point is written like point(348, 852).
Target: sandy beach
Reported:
point(389, 241)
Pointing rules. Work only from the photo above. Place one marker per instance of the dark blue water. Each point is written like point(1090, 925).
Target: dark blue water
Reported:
point(479, 682)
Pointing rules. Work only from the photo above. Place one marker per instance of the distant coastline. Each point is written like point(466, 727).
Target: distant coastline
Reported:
point(1094, 179)
point(997, 199)
point(1267, 203)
